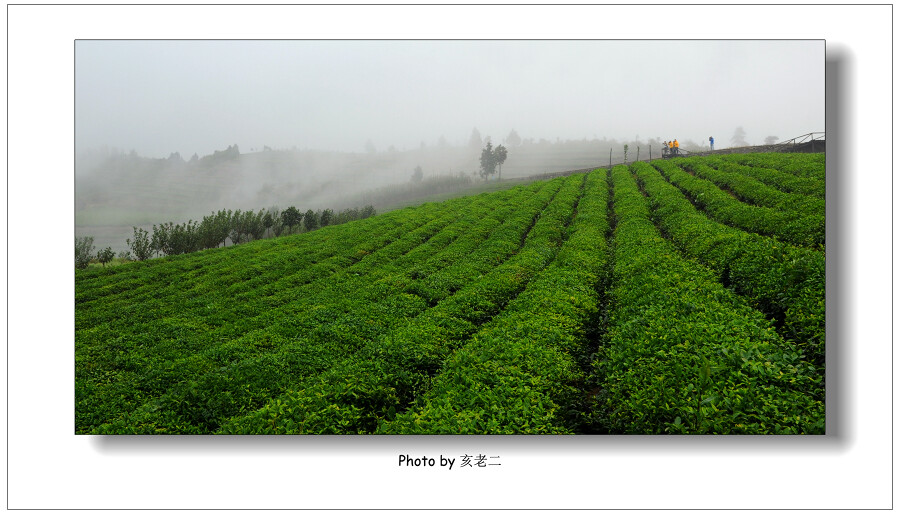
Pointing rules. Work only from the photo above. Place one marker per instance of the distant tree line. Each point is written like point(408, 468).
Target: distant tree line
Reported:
point(215, 230)
point(237, 226)
point(84, 253)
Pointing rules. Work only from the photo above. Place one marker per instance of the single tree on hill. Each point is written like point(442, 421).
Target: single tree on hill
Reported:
point(159, 241)
point(291, 217)
point(140, 246)
point(84, 251)
point(106, 255)
point(772, 139)
point(488, 161)
point(500, 157)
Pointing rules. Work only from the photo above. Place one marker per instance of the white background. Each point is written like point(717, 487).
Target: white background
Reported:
point(49, 467)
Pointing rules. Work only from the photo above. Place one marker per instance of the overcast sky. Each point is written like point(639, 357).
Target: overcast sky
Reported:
point(159, 97)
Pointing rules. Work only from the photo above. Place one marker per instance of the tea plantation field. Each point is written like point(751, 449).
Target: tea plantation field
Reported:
point(682, 296)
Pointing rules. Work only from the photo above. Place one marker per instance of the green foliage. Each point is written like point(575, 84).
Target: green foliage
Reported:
point(366, 212)
point(326, 217)
point(240, 226)
point(784, 282)
point(566, 306)
point(254, 225)
point(500, 154)
point(754, 166)
point(398, 367)
point(268, 220)
point(807, 165)
point(288, 296)
point(488, 161)
point(684, 354)
point(810, 210)
point(310, 220)
point(140, 246)
point(519, 374)
point(181, 238)
point(160, 239)
point(106, 255)
point(291, 217)
point(723, 207)
point(237, 226)
point(491, 159)
point(84, 251)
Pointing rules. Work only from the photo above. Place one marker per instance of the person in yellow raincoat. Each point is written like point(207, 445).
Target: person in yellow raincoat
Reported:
point(675, 144)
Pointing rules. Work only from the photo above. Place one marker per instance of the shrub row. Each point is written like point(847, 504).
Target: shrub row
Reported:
point(781, 180)
point(786, 283)
point(685, 355)
point(356, 240)
point(384, 377)
point(753, 191)
point(308, 335)
point(214, 291)
point(811, 165)
point(173, 329)
point(718, 204)
point(520, 374)
point(216, 228)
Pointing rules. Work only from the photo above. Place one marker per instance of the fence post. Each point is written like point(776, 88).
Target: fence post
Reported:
point(610, 158)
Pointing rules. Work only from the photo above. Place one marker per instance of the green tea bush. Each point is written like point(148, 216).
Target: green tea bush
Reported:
point(781, 180)
point(519, 311)
point(726, 209)
point(685, 355)
point(784, 282)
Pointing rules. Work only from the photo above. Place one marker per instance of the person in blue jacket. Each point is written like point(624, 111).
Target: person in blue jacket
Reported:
point(712, 143)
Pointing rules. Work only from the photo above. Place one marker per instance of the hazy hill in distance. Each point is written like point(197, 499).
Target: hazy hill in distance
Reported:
point(115, 190)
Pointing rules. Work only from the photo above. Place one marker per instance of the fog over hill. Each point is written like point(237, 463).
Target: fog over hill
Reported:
point(114, 188)
point(203, 125)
